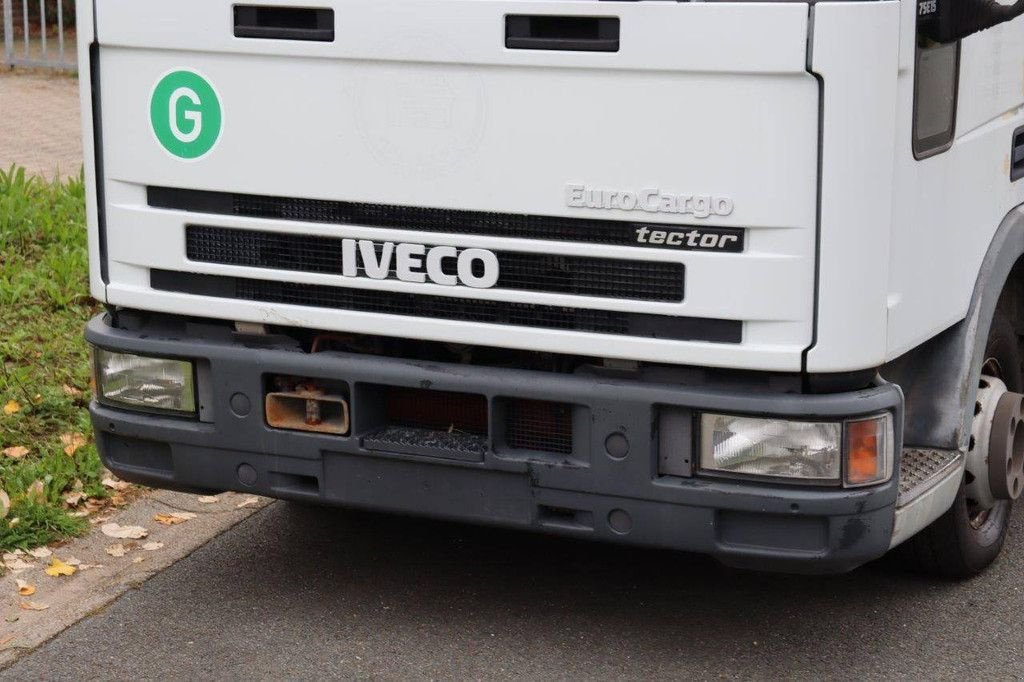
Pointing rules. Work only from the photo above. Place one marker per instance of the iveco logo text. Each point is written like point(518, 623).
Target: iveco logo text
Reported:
point(648, 201)
point(477, 268)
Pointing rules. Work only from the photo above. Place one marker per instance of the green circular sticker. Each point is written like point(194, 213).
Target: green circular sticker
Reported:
point(185, 113)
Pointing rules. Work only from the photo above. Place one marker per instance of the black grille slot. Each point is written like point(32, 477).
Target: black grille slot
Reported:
point(611, 278)
point(539, 425)
point(436, 410)
point(452, 308)
point(585, 230)
point(1017, 155)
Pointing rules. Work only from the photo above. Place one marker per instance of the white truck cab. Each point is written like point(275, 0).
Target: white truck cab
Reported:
point(739, 278)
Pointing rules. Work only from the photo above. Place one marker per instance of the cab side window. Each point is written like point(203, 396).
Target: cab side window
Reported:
point(936, 79)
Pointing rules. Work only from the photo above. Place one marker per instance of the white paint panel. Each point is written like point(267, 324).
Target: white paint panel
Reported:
point(856, 51)
point(946, 208)
point(712, 37)
point(692, 104)
point(760, 351)
point(85, 34)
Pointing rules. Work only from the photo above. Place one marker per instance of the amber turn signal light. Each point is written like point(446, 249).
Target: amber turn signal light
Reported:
point(868, 450)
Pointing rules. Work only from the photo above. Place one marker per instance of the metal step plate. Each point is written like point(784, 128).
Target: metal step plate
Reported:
point(921, 469)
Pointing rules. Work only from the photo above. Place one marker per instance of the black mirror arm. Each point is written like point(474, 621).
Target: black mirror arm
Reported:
point(946, 21)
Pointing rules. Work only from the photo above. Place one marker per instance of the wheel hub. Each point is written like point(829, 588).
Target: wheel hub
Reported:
point(995, 458)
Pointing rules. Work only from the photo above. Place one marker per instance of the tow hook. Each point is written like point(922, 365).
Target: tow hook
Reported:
point(306, 406)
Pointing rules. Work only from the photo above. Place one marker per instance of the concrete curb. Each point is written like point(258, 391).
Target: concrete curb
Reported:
point(71, 598)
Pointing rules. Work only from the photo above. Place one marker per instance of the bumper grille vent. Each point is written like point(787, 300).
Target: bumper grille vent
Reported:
point(539, 425)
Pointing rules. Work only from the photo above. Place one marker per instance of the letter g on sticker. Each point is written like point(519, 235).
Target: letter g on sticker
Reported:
point(185, 114)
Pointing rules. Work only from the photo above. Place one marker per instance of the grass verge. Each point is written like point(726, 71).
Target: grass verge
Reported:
point(48, 465)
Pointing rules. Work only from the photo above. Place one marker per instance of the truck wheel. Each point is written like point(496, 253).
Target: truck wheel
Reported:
point(967, 538)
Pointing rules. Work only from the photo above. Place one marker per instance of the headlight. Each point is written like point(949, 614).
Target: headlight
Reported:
point(798, 450)
point(142, 383)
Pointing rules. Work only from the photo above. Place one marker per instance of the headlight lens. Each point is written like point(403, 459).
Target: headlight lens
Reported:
point(856, 452)
point(139, 382)
point(771, 447)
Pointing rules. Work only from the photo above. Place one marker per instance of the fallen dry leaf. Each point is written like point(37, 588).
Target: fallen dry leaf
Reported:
point(25, 589)
point(208, 499)
point(72, 561)
point(95, 504)
point(33, 606)
point(248, 502)
point(5, 504)
point(13, 522)
point(74, 499)
point(115, 530)
point(86, 567)
point(11, 407)
point(16, 451)
point(36, 492)
point(116, 485)
point(117, 550)
point(152, 546)
point(138, 559)
point(71, 391)
point(58, 568)
point(71, 442)
point(174, 518)
point(17, 565)
point(40, 552)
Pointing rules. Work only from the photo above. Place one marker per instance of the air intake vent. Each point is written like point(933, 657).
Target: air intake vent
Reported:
point(452, 308)
point(1017, 155)
point(539, 425)
point(424, 219)
point(546, 272)
point(436, 410)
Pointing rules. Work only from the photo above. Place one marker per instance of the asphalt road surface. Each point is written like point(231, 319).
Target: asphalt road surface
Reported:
point(302, 593)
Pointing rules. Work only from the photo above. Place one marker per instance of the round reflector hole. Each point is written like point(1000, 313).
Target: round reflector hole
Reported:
point(240, 404)
point(617, 446)
point(247, 474)
point(620, 521)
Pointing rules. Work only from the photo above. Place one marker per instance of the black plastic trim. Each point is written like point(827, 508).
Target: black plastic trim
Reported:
point(618, 278)
point(762, 525)
point(1017, 155)
point(440, 220)
point(284, 23)
point(97, 136)
point(553, 32)
point(446, 307)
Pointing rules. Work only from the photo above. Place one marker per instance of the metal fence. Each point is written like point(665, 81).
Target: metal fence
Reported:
point(39, 34)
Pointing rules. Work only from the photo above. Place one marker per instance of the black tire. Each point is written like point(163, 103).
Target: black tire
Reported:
point(952, 547)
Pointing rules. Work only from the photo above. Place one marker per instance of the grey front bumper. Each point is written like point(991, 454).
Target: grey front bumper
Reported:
point(591, 495)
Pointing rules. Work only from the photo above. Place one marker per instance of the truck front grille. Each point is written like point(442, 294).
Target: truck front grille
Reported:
point(451, 308)
point(553, 273)
point(451, 221)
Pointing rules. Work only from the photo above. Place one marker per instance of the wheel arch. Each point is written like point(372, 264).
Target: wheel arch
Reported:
point(940, 377)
